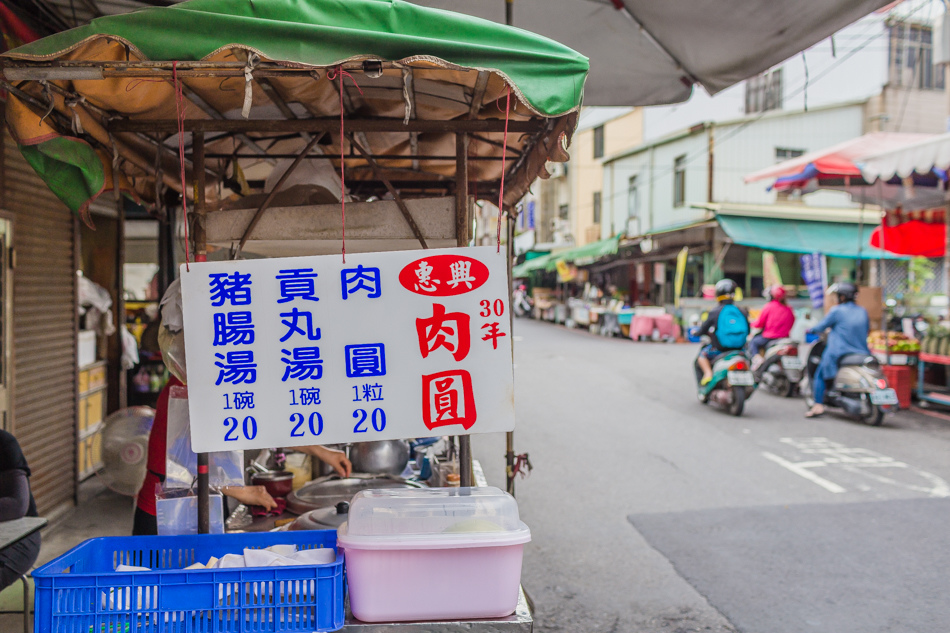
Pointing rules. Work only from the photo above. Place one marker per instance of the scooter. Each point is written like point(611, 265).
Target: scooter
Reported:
point(859, 388)
point(521, 304)
point(779, 370)
point(732, 382)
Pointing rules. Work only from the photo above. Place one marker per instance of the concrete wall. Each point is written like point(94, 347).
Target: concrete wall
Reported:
point(740, 147)
point(744, 147)
point(653, 167)
point(855, 71)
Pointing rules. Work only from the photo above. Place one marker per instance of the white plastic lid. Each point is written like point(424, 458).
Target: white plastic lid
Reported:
point(432, 517)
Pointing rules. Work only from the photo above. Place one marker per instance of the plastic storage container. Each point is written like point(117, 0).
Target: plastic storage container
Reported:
point(433, 554)
point(80, 592)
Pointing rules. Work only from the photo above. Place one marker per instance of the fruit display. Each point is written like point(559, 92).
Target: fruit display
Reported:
point(937, 341)
point(894, 342)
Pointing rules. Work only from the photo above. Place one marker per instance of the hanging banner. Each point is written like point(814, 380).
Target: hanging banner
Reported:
point(680, 275)
point(309, 350)
point(814, 275)
point(565, 272)
point(771, 275)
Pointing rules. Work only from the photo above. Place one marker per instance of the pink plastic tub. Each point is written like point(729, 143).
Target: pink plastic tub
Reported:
point(437, 554)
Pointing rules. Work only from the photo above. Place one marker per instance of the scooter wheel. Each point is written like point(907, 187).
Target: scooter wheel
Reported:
point(738, 401)
point(876, 416)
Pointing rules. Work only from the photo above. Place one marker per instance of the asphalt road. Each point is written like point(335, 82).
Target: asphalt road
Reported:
point(650, 512)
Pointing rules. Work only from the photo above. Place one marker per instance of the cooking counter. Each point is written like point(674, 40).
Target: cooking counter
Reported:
point(521, 621)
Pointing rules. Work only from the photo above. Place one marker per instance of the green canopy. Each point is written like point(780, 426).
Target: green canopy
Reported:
point(835, 239)
point(244, 57)
point(547, 75)
point(590, 253)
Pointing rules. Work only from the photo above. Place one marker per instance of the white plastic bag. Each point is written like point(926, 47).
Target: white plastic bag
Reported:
point(181, 463)
point(177, 513)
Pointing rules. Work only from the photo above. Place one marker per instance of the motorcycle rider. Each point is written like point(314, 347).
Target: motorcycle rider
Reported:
point(849, 335)
point(775, 321)
point(727, 326)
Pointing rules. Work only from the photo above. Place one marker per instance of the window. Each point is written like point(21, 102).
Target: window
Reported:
point(764, 92)
point(563, 212)
point(679, 181)
point(633, 198)
point(784, 153)
point(597, 202)
point(910, 58)
point(599, 141)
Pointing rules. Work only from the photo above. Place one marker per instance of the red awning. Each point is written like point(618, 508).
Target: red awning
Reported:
point(914, 238)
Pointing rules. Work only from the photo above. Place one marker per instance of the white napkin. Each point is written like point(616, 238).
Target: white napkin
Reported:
point(320, 556)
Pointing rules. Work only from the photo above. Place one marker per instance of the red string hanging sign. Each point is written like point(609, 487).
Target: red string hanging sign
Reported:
point(338, 74)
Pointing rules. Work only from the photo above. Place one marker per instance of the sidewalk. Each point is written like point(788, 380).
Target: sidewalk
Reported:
point(100, 512)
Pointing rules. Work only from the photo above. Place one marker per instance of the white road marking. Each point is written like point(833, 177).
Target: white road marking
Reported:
point(858, 461)
point(802, 471)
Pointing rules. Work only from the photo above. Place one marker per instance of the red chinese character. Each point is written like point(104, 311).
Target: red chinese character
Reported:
point(447, 399)
point(434, 333)
point(493, 333)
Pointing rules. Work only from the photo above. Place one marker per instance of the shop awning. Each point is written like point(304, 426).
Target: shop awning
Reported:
point(538, 263)
point(839, 158)
point(922, 157)
point(835, 239)
point(590, 253)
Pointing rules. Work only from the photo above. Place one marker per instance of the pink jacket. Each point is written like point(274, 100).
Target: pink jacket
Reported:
point(775, 321)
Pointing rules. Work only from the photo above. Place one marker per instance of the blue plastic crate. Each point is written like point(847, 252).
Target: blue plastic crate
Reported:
point(80, 592)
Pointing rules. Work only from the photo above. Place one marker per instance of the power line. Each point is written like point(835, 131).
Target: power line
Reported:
point(690, 158)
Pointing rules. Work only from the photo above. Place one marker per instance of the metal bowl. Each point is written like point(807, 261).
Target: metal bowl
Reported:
point(278, 483)
point(384, 457)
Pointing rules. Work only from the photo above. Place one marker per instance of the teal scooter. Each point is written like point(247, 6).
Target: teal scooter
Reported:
point(732, 383)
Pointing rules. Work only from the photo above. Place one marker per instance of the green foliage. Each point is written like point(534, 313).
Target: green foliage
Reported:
point(920, 270)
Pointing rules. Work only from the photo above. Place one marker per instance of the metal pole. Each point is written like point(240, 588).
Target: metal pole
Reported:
point(510, 435)
point(201, 249)
point(466, 475)
point(946, 247)
point(509, 12)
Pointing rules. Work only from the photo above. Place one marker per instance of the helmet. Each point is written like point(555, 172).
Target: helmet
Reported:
point(845, 291)
point(777, 292)
point(725, 289)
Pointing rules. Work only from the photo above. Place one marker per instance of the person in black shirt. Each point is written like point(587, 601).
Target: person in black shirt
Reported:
point(16, 501)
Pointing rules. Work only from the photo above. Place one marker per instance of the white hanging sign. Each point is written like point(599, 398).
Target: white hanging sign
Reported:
point(309, 350)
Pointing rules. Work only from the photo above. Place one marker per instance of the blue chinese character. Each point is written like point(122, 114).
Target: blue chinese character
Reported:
point(243, 400)
point(360, 278)
point(233, 328)
point(365, 360)
point(372, 392)
point(309, 396)
point(290, 322)
point(234, 288)
point(238, 367)
point(297, 283)
point(304, 364)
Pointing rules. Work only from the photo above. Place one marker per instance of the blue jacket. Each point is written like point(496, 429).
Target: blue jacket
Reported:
point(849, 332)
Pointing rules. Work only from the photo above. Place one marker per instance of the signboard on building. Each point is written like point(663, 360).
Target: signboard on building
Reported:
point(309, 350)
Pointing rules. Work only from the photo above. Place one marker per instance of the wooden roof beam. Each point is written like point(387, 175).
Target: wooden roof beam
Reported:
point(328, 124)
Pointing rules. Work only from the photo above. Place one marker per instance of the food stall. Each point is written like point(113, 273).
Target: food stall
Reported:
point(374, 128)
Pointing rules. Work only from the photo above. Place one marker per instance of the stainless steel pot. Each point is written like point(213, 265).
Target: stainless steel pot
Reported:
point(329, 491)
point(384, 457)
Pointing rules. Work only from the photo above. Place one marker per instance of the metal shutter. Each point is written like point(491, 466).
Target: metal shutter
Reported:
point(44, 337)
